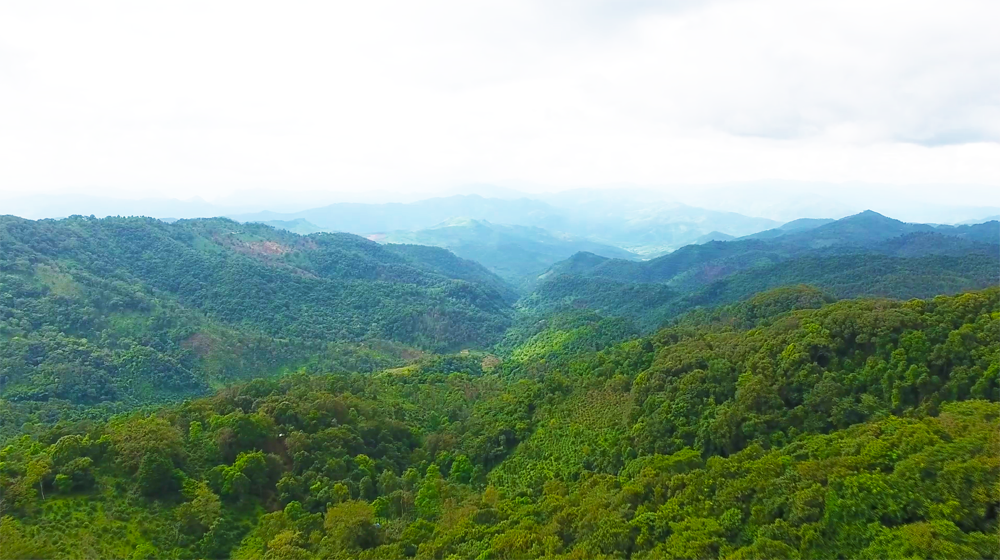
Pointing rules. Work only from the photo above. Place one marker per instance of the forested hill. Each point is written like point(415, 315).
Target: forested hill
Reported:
point(868, 232)
point(867, 254)
point(782, 427)
point(135, 310)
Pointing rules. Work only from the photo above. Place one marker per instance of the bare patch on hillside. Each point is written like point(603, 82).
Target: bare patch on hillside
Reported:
point(201, 343)
point(268, 248)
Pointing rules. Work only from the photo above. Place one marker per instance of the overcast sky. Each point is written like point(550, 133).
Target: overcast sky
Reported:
point(204, 98)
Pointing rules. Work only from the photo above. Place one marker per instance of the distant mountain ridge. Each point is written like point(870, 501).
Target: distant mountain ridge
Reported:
point(644, 228)
point(517, 254)
point(369, 218)
point(864, 254)
point(794, 225)
point(861, 232)
point(713, 236)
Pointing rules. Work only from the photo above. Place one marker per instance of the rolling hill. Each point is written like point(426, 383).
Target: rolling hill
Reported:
point(865, 254)
point(865, 232)
point(784, 427)
point(421, 415)
point(135, 310)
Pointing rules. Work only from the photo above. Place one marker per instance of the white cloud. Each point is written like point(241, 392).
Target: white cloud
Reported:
point(203, 98)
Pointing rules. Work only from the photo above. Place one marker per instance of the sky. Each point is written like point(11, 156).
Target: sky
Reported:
point(299, 99)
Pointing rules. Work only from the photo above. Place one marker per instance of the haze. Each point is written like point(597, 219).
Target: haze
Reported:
point(317, 102)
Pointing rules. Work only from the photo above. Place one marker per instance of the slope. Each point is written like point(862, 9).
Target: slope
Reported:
point(858, 429)
point(867, 254)
point(120, 312)
point(859, 233)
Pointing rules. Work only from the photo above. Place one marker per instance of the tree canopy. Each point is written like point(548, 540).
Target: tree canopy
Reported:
point(787, 426)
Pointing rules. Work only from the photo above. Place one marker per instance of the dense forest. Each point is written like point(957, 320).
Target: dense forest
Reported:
point(863, 255)
point(97, 316)
point(784, 426)
point(211, 389)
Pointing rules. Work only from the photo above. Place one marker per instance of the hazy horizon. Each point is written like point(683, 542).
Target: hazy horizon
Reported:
point(317, 103)
point(776, 200)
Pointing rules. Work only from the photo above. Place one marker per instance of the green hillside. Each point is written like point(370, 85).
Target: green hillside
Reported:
point(325, 286)
point(863, 255)
point(867, 232)
point(651, 305)
point(210, 389)
point(782, 427)
point(96, 315)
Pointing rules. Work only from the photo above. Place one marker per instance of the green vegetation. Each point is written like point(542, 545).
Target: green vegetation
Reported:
point(206, 389)
point(641, 302)
point(320, 287)
point(784, 426)
point(100, 315)
point(863, 255)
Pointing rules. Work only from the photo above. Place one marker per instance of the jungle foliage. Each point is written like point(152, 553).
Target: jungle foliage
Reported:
point(100, 315)
point(786, 426)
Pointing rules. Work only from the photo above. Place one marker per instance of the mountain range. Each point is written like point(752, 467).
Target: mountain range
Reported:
point(647, 229)
point(518, 254)
point(214, 389)
point(89, 304)
point(864, 254)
